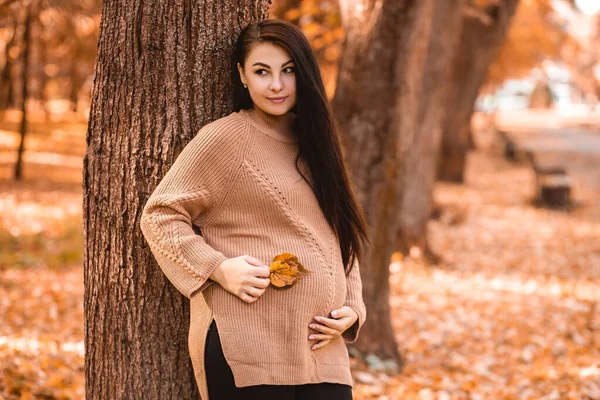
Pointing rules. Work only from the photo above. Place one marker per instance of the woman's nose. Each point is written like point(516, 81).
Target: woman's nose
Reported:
point(275, 84)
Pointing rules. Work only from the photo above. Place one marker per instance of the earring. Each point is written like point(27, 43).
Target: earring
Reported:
point(245, 86)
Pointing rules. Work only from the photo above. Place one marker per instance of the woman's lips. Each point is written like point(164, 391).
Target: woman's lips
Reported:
point(277, 100)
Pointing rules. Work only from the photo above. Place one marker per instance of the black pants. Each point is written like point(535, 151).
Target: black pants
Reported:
point(221, 385)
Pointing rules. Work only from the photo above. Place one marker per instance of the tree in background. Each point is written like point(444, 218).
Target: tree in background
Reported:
point(9, 21)
point(390, 102)
point(492, 51)
point(500, 40)
point(541, 96)
point(320, 20)
point(71, 30)
point(535, 34)
point(30, 14)
point(30, 67)
point(484, 28)
point(582, 57)
point(163, 71)
point(63, 49)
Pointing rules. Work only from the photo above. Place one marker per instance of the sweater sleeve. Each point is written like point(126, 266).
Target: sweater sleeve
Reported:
point(354, 300)
point(194, 185)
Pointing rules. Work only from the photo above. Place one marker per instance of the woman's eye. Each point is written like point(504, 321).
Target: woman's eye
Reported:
point(260, 71)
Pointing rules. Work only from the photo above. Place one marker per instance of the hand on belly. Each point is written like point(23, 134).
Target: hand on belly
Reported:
point(328, 328)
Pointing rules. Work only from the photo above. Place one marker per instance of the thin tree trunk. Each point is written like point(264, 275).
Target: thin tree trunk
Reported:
point(14, 73)
point(75, 80)
point(43, 75)
point(5, 83)
point(18, 174)
point(481, 38)
point(162, 72)
point(388, 105)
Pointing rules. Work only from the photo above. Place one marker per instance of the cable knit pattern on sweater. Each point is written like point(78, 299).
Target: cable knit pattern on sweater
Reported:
point(238, 183)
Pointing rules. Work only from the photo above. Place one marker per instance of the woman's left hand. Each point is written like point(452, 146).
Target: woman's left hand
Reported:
point(328, 328)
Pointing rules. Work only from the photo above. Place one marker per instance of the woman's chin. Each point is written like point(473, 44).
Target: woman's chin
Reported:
point(276, 109)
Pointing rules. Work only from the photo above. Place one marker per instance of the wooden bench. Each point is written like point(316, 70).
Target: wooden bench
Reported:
point(552, 183)
point(510, 146)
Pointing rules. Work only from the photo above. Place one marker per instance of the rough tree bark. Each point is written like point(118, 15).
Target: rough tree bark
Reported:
point(482, 35)
point(162, 72)
point(389, 105)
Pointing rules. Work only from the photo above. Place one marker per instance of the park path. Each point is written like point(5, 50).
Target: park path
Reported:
point(559, 140)
point(575, 149)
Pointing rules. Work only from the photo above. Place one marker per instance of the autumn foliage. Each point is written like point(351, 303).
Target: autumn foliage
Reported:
point(286, 271)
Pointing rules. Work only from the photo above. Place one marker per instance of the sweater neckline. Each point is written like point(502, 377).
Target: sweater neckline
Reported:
point(270, 125)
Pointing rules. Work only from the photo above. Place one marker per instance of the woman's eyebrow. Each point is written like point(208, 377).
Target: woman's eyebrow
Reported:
point(267, 66)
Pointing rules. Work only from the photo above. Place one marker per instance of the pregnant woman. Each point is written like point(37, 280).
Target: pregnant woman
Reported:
point(265, 180)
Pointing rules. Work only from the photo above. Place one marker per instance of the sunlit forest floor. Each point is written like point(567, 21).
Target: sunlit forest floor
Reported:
point(511, 313)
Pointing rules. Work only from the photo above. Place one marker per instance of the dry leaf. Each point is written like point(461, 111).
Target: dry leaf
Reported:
point(286, 270)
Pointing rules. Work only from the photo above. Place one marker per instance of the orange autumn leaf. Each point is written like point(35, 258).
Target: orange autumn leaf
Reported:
point(286, 270)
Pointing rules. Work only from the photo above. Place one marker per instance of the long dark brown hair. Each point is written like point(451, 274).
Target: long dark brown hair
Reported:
point(316, 130)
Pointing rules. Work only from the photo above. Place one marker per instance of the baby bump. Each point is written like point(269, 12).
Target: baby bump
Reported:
point(276, 324)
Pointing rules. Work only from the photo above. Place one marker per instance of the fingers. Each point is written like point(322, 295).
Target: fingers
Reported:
point(324, 329)
point(255, 292)
point(320, 344)
point(332, 323)
point(247, 298)
point(261, 283)
point(320, 336)
point(345, 311)
point(253, 289)
point(251, 282)
point(252, 261)
point(262, 271)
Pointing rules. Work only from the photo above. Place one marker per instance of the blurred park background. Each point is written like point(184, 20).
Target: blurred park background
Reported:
point(502, 302)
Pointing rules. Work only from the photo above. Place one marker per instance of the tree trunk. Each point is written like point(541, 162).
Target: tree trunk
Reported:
point(43, 75)
point(388, 103)
point(422, 109)
point(162, 72)
point(29, 15)
point(5, 84)
point(74, 81)
point(481, 38)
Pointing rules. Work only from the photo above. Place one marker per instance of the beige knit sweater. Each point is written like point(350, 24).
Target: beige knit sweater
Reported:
point(236, 180)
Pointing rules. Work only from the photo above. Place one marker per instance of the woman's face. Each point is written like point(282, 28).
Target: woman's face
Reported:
point(269, 73)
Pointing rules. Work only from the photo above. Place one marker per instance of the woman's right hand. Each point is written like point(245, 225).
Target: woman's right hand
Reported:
point(244, 276)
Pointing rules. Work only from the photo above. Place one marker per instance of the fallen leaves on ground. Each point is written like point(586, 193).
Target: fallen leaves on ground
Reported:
point(41, 333)
point(511, 313)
